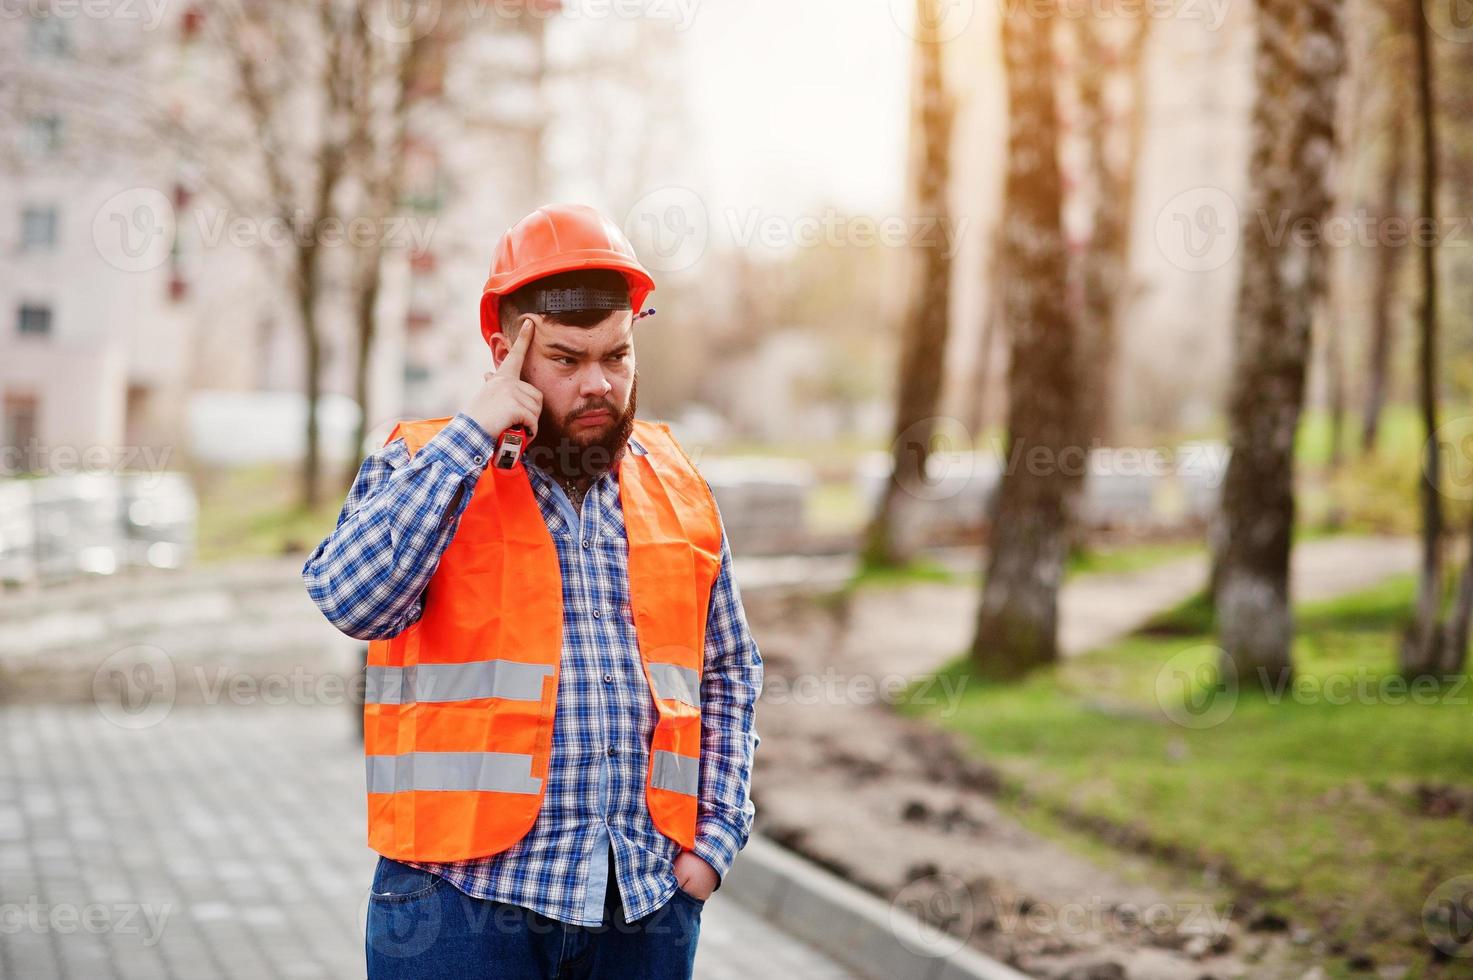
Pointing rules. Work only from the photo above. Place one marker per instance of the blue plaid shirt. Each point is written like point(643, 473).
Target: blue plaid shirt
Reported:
point(367, 577)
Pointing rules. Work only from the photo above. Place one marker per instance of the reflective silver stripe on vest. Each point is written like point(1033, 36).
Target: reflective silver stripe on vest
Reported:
point(483, 772)
point(455, 682)
point(677, 773)
point(677, 683)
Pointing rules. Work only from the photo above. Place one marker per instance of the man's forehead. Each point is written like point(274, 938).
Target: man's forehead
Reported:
point(603, 337)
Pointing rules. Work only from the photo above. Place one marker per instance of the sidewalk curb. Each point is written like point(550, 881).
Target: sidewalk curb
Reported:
point(843, 921)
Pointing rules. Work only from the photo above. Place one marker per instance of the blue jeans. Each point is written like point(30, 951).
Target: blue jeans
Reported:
point(421, 927)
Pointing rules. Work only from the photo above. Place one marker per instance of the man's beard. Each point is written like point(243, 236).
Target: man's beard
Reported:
point(566, 458)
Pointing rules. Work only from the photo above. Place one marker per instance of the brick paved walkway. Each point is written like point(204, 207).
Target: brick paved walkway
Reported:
point(219, 841)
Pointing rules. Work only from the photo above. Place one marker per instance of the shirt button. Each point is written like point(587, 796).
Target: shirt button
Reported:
point(597, 614)
point(612, 750)
point(479, 459)
point(608, 678)
point(585, 542)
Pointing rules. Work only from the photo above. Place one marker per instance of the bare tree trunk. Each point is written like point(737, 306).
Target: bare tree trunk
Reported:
point(1017, 619)
point(1299, 60)
point(1388, 261)
point(1420, 654)
point(923, 340)
point(1455, 642)
point(976, 418)
point(379, 163)
point(1335, 369)
point(1105, 261)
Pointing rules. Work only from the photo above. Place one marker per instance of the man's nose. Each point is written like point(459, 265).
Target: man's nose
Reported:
point(594, 383)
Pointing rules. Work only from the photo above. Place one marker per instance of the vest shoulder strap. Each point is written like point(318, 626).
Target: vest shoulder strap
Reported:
point(416, 432)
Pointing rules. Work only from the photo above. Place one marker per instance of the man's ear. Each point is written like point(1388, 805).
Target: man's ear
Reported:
point(500, 347)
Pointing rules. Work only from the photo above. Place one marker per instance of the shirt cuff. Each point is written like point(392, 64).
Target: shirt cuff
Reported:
point(717, 844)
point(462, 444)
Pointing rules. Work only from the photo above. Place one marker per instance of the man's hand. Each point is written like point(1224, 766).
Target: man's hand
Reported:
point(697, 878)
point(505, 399)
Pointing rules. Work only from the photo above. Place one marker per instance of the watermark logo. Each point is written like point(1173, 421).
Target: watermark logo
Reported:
point(150, 13)
point(395, 919)
point(934, 915)
point(1198, 687)
point(941, 21)
point(401, 21)
point(950, 462)
point(135, 688)
point(222, 226)
point(98, 918)
point(134, 230)
point(669, 228)
point(1451, 20)
point(1199, 230)
point(1453, 444)
point(1447, 917)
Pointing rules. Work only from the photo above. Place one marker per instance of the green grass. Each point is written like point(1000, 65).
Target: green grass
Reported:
point(1307, 806)
point(1130, 558)
point(917, 571)
point(1400, 437)
point(250, 512)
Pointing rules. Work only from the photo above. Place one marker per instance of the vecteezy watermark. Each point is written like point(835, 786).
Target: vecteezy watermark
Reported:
point(833, 687)
point(946, 20)
point(833, 229)
point(1200, 229)
point(149, 12)
point(39, 458)
point(933, 915)
point(1212, 13)
point(1447, 917)
point(952, 462)
point(220, 225)
point(1453, 444)
point(669, 228)
point(404, 21)
point(135, 687)
point(1100, 916)
point(134, 230)
point(1362, 229)
point(401, 21)
point(1451, 20)
point(1341, 688)
point(395, 925)
point(97, 918)
point(139, 686)
point(1198, 687)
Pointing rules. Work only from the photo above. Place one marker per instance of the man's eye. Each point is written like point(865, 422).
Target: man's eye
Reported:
point(563, 360)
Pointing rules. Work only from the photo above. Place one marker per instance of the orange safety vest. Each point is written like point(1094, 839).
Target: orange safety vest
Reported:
point(459, 707)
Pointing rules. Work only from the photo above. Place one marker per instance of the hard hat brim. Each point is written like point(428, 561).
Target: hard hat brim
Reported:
point(497, 286)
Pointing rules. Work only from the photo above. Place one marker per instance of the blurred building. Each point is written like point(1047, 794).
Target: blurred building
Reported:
point(137, 308)
point(92, 353)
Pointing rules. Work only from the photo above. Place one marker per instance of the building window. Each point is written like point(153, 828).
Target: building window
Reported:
point(43, 135)
point(47, 37)
point(34, 320)
point(37, 227)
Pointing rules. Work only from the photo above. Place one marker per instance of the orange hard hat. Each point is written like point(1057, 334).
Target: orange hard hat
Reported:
point(559, 238)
